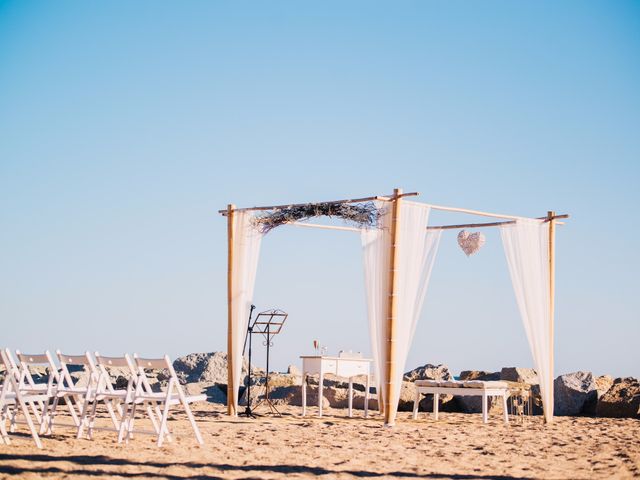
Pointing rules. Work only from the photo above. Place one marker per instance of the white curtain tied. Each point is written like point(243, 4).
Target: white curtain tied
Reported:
point(246, 251)
point(417, 250)
point(526, 246)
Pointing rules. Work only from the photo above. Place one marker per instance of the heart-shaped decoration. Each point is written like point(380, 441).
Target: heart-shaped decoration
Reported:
point(470, 243)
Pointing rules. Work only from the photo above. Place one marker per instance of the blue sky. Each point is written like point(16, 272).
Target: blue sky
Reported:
point(125, 126)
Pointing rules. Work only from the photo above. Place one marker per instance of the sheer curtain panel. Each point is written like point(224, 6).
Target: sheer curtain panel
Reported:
point(416, 251)
point(246, 251)
point(526, 246)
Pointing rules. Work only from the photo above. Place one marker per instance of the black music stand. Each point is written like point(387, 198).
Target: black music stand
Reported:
point(267, 323)
point(247, 411)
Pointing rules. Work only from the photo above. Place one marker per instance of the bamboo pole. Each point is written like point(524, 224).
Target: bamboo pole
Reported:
point(490, 224)
point(434, 227)
point(231, 394)
point(390, 409)
point(473, 212)
point(552, 282)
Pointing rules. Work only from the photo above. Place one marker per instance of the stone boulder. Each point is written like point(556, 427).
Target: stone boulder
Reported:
point(572, 391)
point(330, 380)
point(526, 376)
point(213, 391)
point(621, 400)
point(407, 396)
point(428, 372)
point(290, 395)
point(479, 375)
point(206, 367)
point(603, 384)
point(519, 375)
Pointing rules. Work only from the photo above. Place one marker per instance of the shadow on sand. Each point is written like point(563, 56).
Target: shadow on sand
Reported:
point(101, 460)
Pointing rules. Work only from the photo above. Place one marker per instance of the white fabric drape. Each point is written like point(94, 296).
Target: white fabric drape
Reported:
point(246, 251)
point(417, 250)
point(526, 246)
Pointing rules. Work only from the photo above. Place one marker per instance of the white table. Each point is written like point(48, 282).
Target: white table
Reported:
point(340, 366)
point(485, 393)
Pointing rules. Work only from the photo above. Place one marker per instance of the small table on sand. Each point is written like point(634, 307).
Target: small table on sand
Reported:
point(484, 389)
point(341, 366)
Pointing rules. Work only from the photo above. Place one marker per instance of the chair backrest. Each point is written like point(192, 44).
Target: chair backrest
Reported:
point(10, 379)
point(85, 362)
point(105, 364)
point(152, 363)
point(7, 363)
point(164, 363)
point(27, 361)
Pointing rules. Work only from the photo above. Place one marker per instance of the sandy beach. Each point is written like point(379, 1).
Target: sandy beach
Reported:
point(458, 446)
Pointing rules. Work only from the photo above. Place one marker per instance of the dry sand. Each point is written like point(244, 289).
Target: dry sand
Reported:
point(458, 446)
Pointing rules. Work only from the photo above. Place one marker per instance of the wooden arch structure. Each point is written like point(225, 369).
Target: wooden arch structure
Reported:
point(396, 202)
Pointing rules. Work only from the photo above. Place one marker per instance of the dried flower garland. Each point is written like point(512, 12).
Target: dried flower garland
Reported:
point(361, 214)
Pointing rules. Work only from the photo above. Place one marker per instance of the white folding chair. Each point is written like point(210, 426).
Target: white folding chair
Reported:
point(74, 395)
point(103, 391)
point(27, 384)
point(172, 395)
point(14, 400)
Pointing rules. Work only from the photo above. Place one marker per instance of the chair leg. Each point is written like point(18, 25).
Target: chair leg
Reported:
point(163, 423)
point(3, 429)
point(32, 427)
point(83, 419)
point(48, 422)
point(192, 420)
point(123, 431)
point(92, 419)
point(70, 400)
point(132, 420)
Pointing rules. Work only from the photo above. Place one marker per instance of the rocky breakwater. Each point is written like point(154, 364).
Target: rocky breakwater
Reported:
point(207, 373)
point(622, 399)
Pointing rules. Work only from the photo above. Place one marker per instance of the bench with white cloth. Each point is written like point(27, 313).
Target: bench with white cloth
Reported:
point(484, 389)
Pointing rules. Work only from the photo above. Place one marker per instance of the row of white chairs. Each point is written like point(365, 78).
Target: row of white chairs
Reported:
point(21, 396)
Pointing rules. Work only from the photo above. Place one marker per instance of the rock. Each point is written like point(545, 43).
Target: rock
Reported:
point(479, 375)
point(80, 378)
point(407, 396)
point(572, 391)
point(290, 395)
point(358, 402)
point(280, 380)
point(206, 367)
point(520, 375)
point(603, 384)
point(428, 372)
point(621, 400)
point(213, 392)
point(330, 380)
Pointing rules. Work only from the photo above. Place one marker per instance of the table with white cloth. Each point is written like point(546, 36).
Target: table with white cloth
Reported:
point(484, 389)
point(340, 366)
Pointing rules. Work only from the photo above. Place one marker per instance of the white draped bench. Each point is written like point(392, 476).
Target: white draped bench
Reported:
point(484, 389)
